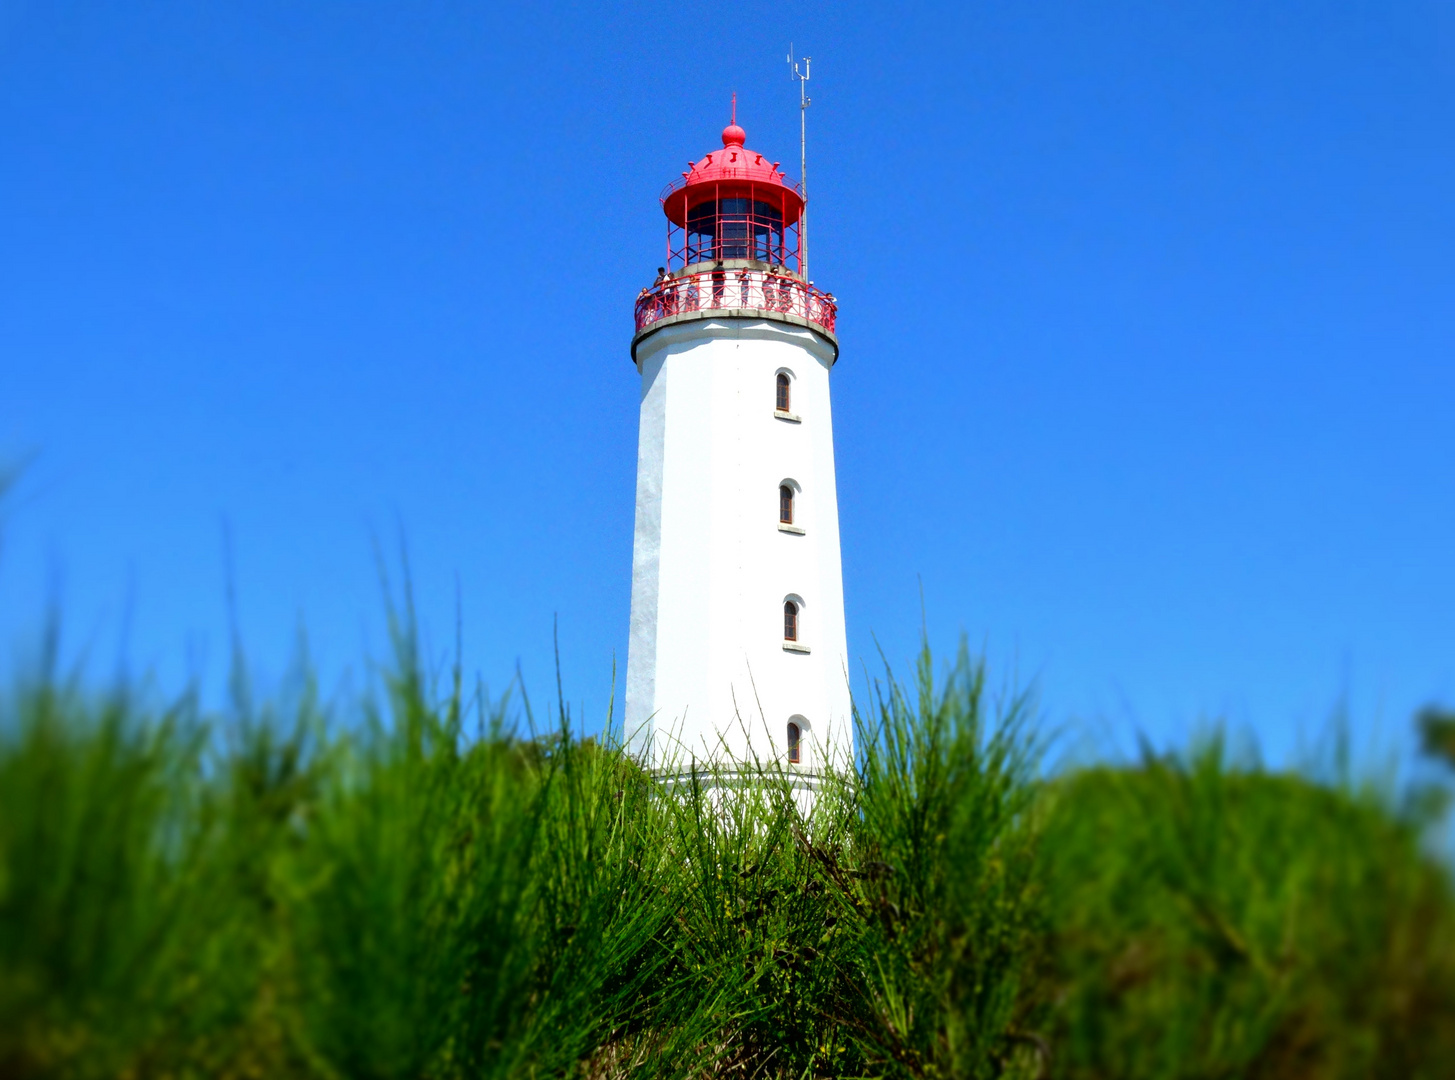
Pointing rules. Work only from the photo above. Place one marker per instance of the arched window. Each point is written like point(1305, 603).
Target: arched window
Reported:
point(790, 621)
point(783, 399)
point(785, 505)
point(795, 744)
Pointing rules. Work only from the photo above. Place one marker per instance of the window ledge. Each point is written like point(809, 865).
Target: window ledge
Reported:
point(792, 418)
point(796, 530)
point(793, 646)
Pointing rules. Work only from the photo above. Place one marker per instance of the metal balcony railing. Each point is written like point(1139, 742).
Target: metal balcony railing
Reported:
point(736, 289)
point(683, 181)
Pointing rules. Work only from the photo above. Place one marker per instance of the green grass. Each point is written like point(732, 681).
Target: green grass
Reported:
point(408, 886)
point(1210, 919)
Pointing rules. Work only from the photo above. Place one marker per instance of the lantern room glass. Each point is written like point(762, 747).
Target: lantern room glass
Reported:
point(735, 228)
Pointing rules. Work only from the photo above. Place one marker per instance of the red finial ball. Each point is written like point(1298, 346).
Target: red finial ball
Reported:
point(732, 135)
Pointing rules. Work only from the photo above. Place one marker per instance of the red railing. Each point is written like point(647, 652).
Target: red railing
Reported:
point(735, 289)
point(682, 182)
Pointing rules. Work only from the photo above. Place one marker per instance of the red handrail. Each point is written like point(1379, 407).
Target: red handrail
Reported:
point(682, 182)
point(736, 289)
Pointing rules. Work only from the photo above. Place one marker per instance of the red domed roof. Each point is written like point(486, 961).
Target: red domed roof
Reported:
point(732, 172)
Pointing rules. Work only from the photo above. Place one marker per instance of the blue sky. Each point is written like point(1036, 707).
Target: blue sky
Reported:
point(1147, 330)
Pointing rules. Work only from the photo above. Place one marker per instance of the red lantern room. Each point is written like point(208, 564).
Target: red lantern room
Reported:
point(733, 205)
point(734, 245)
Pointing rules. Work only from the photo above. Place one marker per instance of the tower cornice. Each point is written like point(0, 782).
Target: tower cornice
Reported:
point(739, 324)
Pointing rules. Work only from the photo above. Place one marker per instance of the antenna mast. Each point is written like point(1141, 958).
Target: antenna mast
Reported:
point(804, 101)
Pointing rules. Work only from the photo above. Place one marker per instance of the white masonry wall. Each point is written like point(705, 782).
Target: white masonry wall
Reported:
point(707, 672)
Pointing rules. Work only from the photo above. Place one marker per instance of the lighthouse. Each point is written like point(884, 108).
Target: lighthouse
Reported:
point(737, 655)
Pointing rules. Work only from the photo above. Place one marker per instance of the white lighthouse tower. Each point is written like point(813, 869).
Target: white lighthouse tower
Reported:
point(737, 651)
